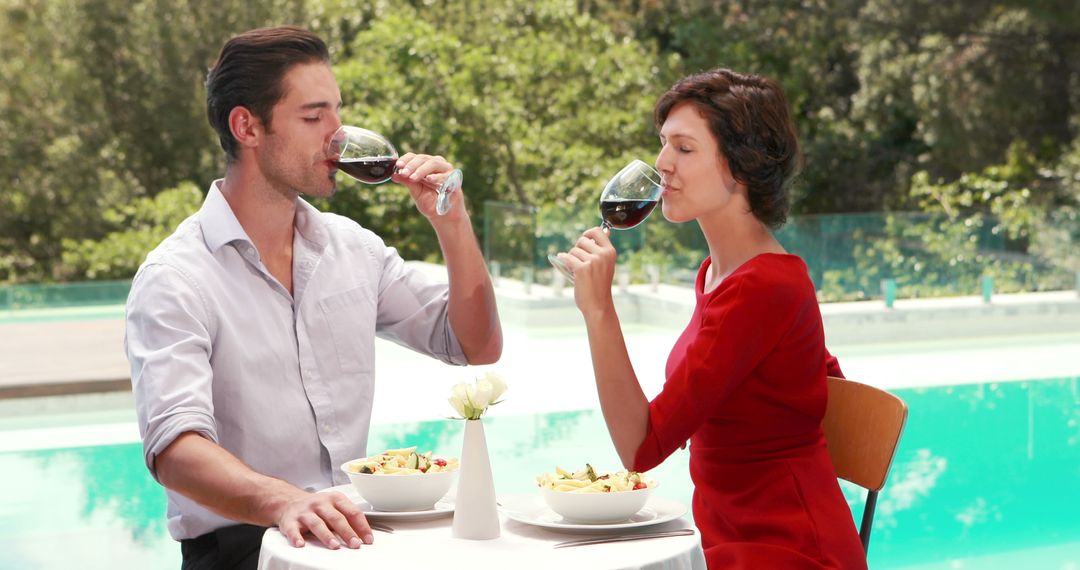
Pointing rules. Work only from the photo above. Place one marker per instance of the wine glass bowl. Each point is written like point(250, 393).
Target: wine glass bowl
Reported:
point(628, 198)
point(372, 159)
point(365, 155)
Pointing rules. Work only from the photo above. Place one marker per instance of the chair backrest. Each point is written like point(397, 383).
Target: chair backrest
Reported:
point(862, 428)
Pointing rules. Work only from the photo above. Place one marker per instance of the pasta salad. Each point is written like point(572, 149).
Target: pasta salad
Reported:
point(587, 481)
point(405, 461)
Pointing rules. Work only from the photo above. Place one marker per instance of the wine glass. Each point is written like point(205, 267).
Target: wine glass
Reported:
point(370, 158)
point(628, 198)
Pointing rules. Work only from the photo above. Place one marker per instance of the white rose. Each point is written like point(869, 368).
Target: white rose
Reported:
point(459, 397)
point(481, 396)
point(472, 400)
point(498, 386)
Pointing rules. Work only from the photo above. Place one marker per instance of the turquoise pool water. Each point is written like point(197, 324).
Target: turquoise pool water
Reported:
point(987, 476)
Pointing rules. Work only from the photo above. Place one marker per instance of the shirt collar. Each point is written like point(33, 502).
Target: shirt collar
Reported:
point(220, 226)
point(311, 224)
point(219, 223)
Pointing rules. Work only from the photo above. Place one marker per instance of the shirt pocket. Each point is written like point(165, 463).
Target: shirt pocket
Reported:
point(350, 316)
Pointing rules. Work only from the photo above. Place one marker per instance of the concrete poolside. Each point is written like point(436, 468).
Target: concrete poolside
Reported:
point(61, 369)
point(918, 342)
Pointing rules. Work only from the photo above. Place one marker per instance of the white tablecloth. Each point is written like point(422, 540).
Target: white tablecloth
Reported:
point(419, 544)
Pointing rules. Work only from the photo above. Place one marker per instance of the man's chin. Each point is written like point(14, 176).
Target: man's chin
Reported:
point(324, 192)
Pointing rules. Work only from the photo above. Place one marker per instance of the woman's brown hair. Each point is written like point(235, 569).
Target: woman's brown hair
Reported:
point(749, 117)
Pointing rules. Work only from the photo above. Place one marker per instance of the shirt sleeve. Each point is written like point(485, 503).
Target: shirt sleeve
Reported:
point(168, 344)
point(414, 310)
point(832, 365)
point(741, 324)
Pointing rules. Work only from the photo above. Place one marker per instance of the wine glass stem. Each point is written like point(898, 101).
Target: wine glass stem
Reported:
point(605, 227)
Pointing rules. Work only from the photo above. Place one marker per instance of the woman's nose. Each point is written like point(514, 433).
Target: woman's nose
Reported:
point(663, 162)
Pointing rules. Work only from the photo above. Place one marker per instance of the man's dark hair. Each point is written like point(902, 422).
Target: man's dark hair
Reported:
point(249, 73)
point(748, 116)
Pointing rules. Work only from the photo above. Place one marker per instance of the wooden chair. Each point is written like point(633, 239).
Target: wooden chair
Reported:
point(862, 428)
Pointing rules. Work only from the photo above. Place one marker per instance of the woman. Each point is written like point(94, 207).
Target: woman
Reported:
point(746, 380)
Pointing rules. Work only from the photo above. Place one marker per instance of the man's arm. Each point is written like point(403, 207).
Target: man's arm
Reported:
point(204, 472)
point(168, 341)
point(472, 311)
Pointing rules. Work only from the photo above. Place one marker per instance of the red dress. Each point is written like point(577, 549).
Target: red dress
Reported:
point(746, 385)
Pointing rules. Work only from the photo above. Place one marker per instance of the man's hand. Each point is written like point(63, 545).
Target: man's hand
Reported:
point(330, 517)
point(422, 174)
point(211, 476)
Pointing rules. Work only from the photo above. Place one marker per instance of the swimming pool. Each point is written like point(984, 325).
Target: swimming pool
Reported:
point(987, 476)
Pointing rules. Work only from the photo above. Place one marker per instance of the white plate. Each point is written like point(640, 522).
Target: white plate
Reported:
point(531, 509)
point(442, 508)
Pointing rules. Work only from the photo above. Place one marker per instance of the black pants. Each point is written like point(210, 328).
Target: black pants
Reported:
point(224, 549)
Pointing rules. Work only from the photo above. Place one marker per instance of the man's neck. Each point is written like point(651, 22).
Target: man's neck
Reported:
point(266, 214)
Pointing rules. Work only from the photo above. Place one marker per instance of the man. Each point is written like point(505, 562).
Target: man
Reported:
point(250, 330)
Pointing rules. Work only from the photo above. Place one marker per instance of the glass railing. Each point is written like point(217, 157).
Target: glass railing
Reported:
point(849, 256)
point(56, 295)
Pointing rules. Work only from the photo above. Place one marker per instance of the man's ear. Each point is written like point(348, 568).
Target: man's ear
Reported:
point(246, 128)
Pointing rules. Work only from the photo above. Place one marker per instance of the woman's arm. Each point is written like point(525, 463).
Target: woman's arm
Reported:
point(625, 407)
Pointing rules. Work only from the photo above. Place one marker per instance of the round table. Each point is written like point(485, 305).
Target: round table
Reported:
point(427, 543)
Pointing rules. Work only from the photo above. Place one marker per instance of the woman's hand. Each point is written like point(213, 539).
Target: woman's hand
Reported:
point(422, 174)
point(592, 260)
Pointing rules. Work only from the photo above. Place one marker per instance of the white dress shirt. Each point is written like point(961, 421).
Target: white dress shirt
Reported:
point(285, 382)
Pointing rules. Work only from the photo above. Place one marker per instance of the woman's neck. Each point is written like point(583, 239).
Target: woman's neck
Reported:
point(734, 236)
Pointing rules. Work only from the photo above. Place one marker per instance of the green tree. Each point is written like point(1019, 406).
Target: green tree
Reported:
point(103, 104)
point(137, 227)
point(948, 88)
point(540, 106)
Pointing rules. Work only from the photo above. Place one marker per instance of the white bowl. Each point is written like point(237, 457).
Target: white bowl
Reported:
point(596, 508)
point(396, 493)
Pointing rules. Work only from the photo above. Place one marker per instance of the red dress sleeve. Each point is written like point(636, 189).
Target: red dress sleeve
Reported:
point(832, 365)
point(741, 322)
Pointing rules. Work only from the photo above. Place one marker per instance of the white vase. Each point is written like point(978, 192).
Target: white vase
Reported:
point(475, 514)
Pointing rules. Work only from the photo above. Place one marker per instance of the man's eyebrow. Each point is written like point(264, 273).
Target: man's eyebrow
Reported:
point(319, 105)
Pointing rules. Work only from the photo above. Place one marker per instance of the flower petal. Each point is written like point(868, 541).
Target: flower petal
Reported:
point(498, 385)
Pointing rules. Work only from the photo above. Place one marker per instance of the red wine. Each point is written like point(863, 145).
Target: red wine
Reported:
point(625, 214)
point(369, 170)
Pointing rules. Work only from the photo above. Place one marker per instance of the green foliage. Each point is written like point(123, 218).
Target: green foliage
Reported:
point(948, 88)
point(103, 104)
point(964, 111)
point(138, 227)
point(537, 109)
point(1015, 193)
point(981, 224)
point(1057, 233)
